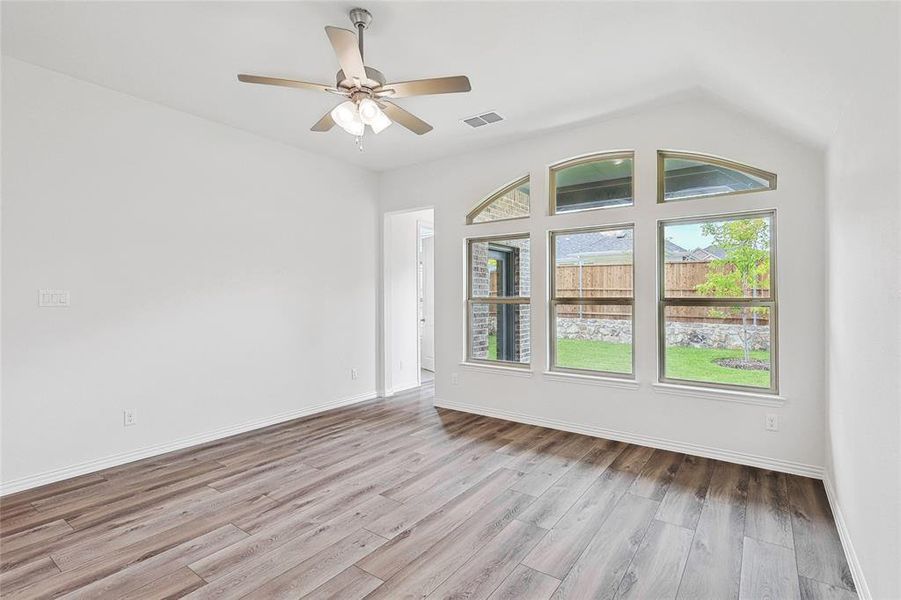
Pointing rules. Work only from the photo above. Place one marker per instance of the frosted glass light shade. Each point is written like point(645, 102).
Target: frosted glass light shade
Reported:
point(380, 122)
point(348, 118)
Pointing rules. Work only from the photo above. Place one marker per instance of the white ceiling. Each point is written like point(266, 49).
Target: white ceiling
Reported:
point(540, 65)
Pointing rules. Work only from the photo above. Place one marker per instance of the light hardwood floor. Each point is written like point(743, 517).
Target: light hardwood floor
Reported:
point(396, 499)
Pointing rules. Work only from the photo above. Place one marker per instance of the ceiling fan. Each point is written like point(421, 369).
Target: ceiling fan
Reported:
point(368, 95)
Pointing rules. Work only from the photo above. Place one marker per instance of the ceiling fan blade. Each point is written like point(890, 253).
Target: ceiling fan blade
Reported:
point(408, 120)
point(303, 85)
point(423, 87)
point(325, 123)
point(347, 50)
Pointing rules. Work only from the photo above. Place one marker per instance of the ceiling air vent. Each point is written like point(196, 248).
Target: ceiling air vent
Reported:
point(484, 119)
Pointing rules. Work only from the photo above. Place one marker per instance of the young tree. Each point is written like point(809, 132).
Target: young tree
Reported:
point(743, 271)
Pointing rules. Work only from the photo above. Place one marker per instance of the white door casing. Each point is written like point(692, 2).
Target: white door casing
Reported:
point(427, 312)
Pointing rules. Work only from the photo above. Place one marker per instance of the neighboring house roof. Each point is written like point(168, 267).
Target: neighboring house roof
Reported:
point(611, 246)
point(675, 252)
point(706, 254)
point(604, 247)
point(593, 247)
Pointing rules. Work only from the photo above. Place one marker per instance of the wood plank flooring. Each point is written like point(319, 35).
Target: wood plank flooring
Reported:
point(396, 499)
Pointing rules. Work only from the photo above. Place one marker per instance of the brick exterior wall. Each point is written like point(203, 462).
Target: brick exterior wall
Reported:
point(514, 203)
point(480, 287)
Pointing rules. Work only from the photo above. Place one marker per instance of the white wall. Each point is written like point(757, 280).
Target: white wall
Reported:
point(727, 429)
point(864, 313)
point(217, 278)
point(401, 298)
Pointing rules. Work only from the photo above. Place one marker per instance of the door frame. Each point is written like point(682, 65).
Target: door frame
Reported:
point(385, 385)
point(422, 226)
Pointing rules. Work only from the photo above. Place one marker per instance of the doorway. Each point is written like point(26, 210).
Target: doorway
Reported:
point(408, 300)
point(502, 270)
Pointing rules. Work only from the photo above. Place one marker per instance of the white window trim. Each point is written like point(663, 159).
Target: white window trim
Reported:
point(690, 391)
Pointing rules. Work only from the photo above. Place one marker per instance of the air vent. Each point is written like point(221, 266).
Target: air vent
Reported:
point(485, 119)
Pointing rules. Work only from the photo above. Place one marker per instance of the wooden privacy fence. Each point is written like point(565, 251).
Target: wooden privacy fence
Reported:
point(615, 280)
point(611, 280)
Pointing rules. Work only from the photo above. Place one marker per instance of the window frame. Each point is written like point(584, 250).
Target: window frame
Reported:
point(472, 214)
point(771, 302)
point(554, 301)
point(471, 300)
point(579, 160)
point(712, 159)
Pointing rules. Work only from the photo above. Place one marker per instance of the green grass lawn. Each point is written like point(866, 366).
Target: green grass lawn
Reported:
point(693, 364)
point(595, 355)
point(697, 364)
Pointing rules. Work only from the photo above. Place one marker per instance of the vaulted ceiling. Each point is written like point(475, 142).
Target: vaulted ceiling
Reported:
point(539, 64)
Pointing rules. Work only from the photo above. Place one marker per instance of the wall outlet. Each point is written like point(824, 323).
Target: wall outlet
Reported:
point(401, 365)
point(455, 379)
point(353, 373)
point(772, 422)
point(129, 417)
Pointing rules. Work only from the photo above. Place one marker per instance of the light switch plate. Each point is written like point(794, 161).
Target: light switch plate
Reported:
point(53, 298)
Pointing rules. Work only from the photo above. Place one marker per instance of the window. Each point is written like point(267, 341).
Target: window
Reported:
point(717, 322)
point(591, 301)
point(498, 299)
point(597, 181)
point(511, 202)
point(684, 175)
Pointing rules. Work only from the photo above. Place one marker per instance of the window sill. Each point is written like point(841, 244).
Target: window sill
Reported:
point(722, 395)
point(524, 371)
point(628, 384)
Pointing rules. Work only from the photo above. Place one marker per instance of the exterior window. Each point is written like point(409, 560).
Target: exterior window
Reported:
point(684, 175)
point(717, 321)
point(591, 301)
point(511, 202)
point(598, 181)
point(498, 300)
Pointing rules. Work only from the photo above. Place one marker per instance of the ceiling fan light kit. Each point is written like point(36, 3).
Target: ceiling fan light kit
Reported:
point(368, 96)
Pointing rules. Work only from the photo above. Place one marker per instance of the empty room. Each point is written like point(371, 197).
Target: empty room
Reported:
point(451, 299)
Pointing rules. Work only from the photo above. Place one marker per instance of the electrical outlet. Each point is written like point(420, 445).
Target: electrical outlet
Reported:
point(353, 373)
point(772, 422)
point(401, 365)
point(455, 379)
point(129, 417)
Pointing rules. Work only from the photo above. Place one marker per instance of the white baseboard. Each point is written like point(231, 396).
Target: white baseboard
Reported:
point(752, 460)
point(403, 388)
point(32, 481)
point(863, 590)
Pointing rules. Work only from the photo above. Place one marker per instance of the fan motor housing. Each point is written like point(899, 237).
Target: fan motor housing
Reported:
point(374, 79)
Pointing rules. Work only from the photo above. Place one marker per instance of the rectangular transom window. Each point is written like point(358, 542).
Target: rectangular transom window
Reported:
point(591, 301)
point(588, 182)
point(717, 303)
point(499, 317)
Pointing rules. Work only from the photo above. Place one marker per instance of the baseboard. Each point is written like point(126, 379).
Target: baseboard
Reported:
point(400, 389)
point(863, 590)
point(32, 481)
point(751, 460)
